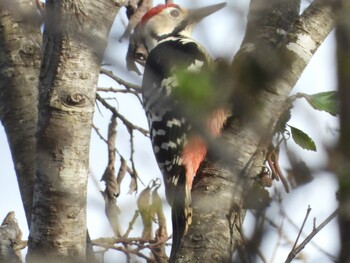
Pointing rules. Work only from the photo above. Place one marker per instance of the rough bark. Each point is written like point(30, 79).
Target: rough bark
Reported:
point(342, 162)
point(74, 39)
point(219, 189)
point(20, 42)
point(10, 240)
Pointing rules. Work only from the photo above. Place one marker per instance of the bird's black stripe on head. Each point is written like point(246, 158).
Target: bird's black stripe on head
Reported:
point(174, 33)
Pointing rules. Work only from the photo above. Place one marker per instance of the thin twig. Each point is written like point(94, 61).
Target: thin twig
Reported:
point(302, 226)
point(290, 221)
point(120, 81)
point(284, 236)
point(126, 122)
point(99, 134)
point(111, 89)
point(129, 170)
point(124, 91)
point(295, 251)
point(112, 188)
point(126, 251)
point(131, 223)
point(298, 95)
point(133, 183)
point(140, 243)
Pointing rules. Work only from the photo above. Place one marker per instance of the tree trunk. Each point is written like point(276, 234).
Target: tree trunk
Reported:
point(342, 162)
point(278, 45)
point(10, 240)
point(74, 39)
point(20, 42)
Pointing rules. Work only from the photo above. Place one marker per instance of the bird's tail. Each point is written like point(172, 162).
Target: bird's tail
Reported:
point(181, 216)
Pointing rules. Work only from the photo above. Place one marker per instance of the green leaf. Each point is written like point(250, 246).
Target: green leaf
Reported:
point(324, 101)
point(302, 139)
point(194, 90)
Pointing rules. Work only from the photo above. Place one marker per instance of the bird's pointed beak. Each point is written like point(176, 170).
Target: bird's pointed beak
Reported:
point(195, 15)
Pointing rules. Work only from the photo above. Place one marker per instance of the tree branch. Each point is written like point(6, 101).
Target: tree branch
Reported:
point(124, 83)
point(19, 74)
point(10, 240)
point(74, 39)
point(112, 187)
point(219, 187)
point(126, 122)
point(296, 250)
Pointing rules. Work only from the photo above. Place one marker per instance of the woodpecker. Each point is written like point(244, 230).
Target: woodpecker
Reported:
point(165, 32)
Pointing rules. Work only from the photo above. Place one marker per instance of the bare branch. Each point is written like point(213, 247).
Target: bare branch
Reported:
point(302, 227)
point(110, 193)
point(120, 81)
point(129, 170)
point(10, 239)
point(131, 224)
point(126, 122)
point(299, 248)
point(41, 7)
point(284, 215)
point(134, 176)
point(19, 73)
point(111, 89)
point(140, 243)
point(135, 11)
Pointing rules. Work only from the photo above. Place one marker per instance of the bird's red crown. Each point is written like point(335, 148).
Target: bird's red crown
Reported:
point(155, 10)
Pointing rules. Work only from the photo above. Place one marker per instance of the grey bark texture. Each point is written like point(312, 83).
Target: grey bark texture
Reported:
point(10, 240)
point(74, 40)
point(20, 42)
point(278, 45)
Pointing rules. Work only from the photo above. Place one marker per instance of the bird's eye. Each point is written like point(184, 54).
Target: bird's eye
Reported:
point(175, 13)
point(140, 56)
